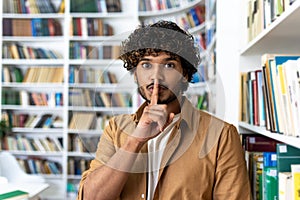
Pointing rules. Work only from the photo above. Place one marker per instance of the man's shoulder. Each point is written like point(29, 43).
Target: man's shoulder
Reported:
point(124, 122)
point(213, 120)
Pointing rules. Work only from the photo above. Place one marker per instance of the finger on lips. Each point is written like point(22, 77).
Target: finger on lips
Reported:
point(154, 96)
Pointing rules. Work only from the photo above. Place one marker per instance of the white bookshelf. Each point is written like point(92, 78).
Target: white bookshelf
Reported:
point(123, 23)
point(279, 37)
point(290, 140)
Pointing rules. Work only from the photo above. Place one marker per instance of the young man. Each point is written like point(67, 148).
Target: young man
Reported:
point(167, 149)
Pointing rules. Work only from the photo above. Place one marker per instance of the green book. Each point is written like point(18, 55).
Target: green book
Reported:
point(14, 195)
point(270, 179)
point(287, 155)
point(18, 75)
point(270, 183)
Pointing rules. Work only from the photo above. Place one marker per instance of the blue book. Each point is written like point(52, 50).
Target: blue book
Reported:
point(270, 176)
point(194, 16)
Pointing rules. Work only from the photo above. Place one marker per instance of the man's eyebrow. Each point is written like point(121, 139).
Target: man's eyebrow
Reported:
point(171, 58)
point(145, 59)
point(165, 59)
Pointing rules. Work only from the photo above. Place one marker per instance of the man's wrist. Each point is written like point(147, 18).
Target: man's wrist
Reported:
point(133, 144)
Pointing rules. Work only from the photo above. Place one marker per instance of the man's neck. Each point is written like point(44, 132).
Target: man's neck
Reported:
point(175, 106)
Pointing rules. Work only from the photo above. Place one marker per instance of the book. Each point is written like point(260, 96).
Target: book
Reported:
point(284, 101)
point(291, 70)
point(296, 181)
point(243, 97)
point(251, 82)
point(271, 63)
point(280, 59)
point(254, 100)
point(14, 195)
point(270, 177)
point(285, 185)
point(259, 143)
point(260, 98)
point(286, 156)
point(257, 176)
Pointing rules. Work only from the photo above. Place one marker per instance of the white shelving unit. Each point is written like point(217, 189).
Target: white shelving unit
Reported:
point(123, 23)
point(282, 36)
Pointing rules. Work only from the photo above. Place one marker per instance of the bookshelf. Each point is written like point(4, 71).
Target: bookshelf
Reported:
point(278, 38)
point(73, 54)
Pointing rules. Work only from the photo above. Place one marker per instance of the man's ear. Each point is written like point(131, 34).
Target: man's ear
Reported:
point(134, 76)
point(185, 77)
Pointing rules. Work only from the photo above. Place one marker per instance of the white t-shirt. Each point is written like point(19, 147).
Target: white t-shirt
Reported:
point(156, 148)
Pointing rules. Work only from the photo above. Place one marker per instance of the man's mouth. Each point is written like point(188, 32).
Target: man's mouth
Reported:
point(160, 87)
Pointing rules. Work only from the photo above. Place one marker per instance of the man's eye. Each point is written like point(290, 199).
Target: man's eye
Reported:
point(170, 65)
point(146, 65)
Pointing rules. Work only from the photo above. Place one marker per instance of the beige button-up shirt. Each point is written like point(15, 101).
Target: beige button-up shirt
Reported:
point(203, 159)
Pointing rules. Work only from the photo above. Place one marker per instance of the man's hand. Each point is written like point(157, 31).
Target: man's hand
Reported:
point(154, 118)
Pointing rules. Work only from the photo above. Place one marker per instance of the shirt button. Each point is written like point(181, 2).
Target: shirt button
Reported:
point(143, 196)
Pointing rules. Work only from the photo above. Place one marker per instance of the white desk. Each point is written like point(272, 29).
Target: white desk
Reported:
point(34, 189)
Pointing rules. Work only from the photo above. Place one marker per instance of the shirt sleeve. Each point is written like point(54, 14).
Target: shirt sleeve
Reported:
point(94, 165)
point(105, 150)
point(232, 179)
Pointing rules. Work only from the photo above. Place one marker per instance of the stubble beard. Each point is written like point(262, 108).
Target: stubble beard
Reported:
point(174, 94)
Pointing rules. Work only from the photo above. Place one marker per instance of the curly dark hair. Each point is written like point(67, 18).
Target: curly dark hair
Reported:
point(162, 36)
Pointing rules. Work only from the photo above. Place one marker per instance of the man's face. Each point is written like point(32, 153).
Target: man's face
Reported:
point(166, 70)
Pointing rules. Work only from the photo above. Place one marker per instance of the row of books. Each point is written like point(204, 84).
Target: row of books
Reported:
point(90, 98)
point(25, 120)
point(87, 121)
point(78, 120)
point(145, 5)
point(47, 74)
point(200, 101)
point(202, 75)
point(25, 98)
point(270, 95)
point(101, 6)
point(85, 74)
point(72, 189)
point(200, 40)
point(11, 74)
point(273, 168)
point(192, 18)
point(22, 143)
point(84, 51)
point(77, 97)
point(261, 13)
point(95, 122)
point(32, 27)
point(32, 165)
point(44, 75)
point(19, 51)
point(90, 27)
point(36, 74)
point(80, 143)
point(77, 166)
point(29, 6)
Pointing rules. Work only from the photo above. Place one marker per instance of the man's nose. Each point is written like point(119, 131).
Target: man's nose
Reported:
point(157, 72)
